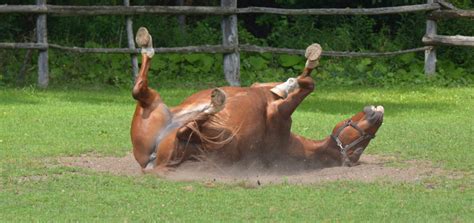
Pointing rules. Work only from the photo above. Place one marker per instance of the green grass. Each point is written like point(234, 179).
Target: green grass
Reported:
point(432, 124)
point(72, 197)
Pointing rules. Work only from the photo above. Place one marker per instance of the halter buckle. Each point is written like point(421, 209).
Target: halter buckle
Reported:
point(339, 143)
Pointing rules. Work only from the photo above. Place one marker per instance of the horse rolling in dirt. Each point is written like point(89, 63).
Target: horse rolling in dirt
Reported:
point(235, 123)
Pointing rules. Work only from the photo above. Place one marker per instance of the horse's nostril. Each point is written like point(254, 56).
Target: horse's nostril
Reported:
point(373, 113)
point(369, 110)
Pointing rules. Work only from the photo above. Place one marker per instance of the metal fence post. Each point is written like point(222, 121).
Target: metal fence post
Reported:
point(42, 38)
point(430, 54)
point(230, 38)
point(131, 41)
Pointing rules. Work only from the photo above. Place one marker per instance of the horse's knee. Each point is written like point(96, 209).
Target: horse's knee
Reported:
point(306, 83)
point(139, 91)
point(145, 95)
point(310, 85)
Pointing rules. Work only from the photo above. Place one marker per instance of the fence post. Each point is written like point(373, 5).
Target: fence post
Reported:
point(131, 42)
point(42, 38)
point(230, 38)
point(430, 54)
point(181, 18)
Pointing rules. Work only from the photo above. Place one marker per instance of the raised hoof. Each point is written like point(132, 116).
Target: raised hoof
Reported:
point(313, 52)
point(143, 37)
point(218, 98)
point(144, 40)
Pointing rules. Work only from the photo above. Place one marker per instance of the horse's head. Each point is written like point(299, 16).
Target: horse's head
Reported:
point(352, 136)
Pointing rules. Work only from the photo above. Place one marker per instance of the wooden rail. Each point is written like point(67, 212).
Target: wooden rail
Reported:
point(342, 11)
point(452, 14)
point(437, 9)
point(186, 49)
point(449, 40)
point(208, 49)
point(65, 10)
point(259, 49)
point(35, 46)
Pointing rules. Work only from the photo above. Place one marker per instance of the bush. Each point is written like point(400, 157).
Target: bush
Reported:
point(342, 33)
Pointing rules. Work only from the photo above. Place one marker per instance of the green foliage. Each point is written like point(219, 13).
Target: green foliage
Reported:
point(83, 69)
point(290, 61)
point(182, 69)
point(257, 63)
point(341, 33)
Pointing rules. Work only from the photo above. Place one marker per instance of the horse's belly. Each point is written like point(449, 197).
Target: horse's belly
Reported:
point(245, 116)
point(244, 119)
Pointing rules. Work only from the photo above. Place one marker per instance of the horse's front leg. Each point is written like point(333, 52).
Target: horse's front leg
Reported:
point(151, 115)
point(141, 92)
point(295, 90)
point(165, 151)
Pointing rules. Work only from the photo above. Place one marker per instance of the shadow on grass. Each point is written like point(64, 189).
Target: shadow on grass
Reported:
point(343, 106)
point(38, 96)
point(316, 102)
point(171, 97)
point(98, 98)
point(17, 100)
point(93, 97)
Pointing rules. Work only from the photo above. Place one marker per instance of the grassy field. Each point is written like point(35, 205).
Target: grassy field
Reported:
point(424, 123)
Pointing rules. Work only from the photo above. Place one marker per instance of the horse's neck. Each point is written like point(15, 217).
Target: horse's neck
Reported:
point(308, 148)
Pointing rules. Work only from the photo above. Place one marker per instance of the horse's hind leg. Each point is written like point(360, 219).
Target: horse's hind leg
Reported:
point(190, 132)
point(218, 98)
point(141, 92)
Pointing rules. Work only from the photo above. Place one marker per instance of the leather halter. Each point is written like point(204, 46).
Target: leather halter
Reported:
point(343, 149)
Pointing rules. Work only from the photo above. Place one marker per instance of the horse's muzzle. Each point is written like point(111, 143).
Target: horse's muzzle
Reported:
point(374, 114)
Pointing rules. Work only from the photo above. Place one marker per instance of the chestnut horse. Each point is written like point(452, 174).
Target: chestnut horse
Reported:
point(238, 122)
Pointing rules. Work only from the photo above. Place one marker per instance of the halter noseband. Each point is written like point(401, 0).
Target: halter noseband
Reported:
point(343, 149)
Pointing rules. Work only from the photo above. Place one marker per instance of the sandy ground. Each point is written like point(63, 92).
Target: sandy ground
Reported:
point(370, 168)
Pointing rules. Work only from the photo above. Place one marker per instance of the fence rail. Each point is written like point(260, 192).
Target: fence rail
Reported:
point(451, 14)
point(65, 10)
point(230, 48)
point(207, 49)
point(449, 40)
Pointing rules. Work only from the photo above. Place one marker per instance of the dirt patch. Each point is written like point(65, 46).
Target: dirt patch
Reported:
point(371, 168)
point(115, 165)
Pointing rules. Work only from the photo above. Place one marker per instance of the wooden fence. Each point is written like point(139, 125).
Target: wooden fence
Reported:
point(230, 48)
